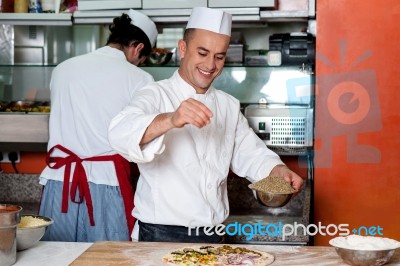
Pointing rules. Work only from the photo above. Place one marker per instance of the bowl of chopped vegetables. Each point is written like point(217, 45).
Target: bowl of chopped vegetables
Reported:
point(273, 191)
point(31, 229)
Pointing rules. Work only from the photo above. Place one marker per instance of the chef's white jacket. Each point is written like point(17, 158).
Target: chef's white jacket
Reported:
point(87, 91)
point(183, 173)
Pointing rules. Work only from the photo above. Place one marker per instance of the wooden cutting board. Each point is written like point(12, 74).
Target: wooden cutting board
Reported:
point(124, 253)
point(151, 254)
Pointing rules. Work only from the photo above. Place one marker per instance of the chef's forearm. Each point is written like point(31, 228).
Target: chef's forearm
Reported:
point(161, 124)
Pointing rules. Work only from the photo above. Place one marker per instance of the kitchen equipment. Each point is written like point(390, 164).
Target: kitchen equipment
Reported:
point(285, 130)
point(296, 48)
point(364, 250)
point(292, 85)
point(256, 57)
point(9, 218)
point(29, 236)
point(272, 191)
point(273, 200)
point(235, 53)
point(365, 257)
point(30, 45)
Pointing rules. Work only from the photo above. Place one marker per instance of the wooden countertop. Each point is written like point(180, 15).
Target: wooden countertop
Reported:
point(151, 253)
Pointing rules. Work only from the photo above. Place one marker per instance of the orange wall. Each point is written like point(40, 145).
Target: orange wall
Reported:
point(30, 163)
point(362, 184)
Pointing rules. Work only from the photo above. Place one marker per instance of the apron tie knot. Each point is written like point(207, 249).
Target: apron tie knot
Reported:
point(80, 183)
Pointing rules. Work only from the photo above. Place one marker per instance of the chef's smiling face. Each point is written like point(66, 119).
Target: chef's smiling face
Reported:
point(202, 58)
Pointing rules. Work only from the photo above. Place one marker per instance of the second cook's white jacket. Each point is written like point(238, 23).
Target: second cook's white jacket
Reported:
point(183, 173)
point(87, 91)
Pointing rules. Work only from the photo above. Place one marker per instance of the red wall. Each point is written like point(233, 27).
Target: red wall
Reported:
point(361, 187)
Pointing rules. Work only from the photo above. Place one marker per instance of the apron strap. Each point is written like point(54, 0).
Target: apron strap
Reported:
point(80, 183)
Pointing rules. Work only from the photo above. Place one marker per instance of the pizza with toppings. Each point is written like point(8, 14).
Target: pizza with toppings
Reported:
point(218, 256)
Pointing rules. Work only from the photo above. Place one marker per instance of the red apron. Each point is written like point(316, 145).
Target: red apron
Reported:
point(80, 182)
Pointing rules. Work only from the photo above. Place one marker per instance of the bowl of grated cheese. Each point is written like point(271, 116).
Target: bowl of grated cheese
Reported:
point(31, 229)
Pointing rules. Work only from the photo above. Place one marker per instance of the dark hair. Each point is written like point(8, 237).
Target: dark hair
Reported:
point(188, 34)
point(126, 34)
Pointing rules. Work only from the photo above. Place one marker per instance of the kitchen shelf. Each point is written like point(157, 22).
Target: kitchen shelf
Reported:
point(51, 19)
point(24, 132)
point(251, 15)
point(227, 65)
point(284, 16)
point(174, 16)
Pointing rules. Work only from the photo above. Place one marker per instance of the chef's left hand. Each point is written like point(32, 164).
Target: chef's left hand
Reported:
point(291, 177)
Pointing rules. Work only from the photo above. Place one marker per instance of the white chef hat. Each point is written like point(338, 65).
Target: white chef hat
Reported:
point(213, 20)
point(143, 22)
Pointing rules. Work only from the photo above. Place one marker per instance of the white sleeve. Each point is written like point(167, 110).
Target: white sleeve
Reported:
point(126, 130)
point(251, 157)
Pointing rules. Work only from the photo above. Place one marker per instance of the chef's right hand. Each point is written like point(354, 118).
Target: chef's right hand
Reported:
point(192, 112)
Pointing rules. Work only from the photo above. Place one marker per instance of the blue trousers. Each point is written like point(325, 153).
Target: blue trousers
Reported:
point(74, 226)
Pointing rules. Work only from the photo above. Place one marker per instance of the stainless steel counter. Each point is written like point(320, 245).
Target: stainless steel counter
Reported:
point(24, 132)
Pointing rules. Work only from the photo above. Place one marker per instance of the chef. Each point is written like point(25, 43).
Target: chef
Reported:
point(185, 135)
point(87, 189)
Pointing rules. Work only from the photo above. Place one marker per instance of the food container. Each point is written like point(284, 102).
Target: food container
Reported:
point(273, 200)
point(272, 191)
point(29, 235)
point(234, 53)
point(360, 250)
point(6, 6)
point(9, 218)
point(21, 6)
point(35, 6)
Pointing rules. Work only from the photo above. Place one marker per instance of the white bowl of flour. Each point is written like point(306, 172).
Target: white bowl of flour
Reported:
point(364, 250)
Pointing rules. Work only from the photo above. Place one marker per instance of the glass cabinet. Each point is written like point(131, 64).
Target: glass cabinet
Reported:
point(249, 84)
point(30, 51)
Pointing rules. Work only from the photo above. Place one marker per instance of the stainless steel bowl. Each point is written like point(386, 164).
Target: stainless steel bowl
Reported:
point(364, 257)
point(273, 200)
point(9, 218)
point(29, 236)
point(364, 250)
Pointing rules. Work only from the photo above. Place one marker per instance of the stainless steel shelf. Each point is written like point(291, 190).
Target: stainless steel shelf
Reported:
point(24, 128)
point(163, 16)
point(179, 15)
point(284, 16)
point(61, 19)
